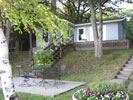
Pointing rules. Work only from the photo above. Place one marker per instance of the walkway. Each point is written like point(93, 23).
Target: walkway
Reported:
point(125, 73)
point(48, 90)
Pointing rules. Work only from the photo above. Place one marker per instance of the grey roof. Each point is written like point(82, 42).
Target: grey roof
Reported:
point(104, 22)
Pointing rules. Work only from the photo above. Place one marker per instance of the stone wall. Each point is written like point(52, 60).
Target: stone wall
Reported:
point(110, 44)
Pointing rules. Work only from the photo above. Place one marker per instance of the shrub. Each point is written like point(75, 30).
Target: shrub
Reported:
point(44, 58)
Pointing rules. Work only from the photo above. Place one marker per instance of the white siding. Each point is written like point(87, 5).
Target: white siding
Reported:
point(112, 31)
point(104, 33)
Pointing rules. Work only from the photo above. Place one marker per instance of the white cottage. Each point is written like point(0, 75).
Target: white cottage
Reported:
point(112, 30)
point(115, 29)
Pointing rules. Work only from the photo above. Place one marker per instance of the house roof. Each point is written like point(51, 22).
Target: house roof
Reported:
point(104, 22)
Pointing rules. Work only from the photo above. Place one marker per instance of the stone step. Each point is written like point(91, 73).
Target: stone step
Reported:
point(126, 72)
point(130, 86)
point(131, 59)
point(122, 77)
point(127, 69)
point(131, 77)
point(119, 81)
point(130, 62)
point(129, 65)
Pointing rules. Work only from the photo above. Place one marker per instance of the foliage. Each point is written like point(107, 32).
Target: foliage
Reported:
point(74, 10)
point(44, 58)
point(130, 28)
point(105, 87)
point(102, 91)
point(32, 13)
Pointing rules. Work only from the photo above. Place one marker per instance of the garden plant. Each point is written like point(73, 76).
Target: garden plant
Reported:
point(102, 91)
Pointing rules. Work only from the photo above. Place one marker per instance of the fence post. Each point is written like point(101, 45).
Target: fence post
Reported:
point(73, 43)
point(60, 50)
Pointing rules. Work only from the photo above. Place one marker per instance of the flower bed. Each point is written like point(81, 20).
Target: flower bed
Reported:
point(101, 91)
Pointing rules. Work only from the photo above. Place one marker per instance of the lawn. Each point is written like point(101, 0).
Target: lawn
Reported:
point(81, 66)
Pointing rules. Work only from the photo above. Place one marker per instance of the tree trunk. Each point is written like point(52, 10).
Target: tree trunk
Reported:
point(17, 45)
point(30, 41)
point(8, 29)
point(53, 9)
point(100, 27)
point(53, 6)
point(5, 69)
point(97, 39)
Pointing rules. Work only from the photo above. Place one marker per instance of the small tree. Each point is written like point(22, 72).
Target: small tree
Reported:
point(44, 59)
point(29, 13)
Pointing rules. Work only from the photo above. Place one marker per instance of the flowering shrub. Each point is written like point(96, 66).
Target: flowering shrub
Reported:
point(44, 58)
point(113, 93)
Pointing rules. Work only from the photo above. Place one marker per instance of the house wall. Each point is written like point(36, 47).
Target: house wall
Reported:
point(120, 31)
point(75, 35)
point(38, 41)
point(91, 33)
point(112, 31)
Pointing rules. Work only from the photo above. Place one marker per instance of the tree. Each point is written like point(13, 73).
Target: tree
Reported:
point(8, 29)
point(30, 42)
point(74, 10)
point(29, 13)
point(97, 34)
point(53, 9)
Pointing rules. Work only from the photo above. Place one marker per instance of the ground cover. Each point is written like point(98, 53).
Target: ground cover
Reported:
point(81, 66)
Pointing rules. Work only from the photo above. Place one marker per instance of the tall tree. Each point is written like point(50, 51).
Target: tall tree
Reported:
point(8, 30)
point(29, 13)
point(74, 10)
point(30, 42)
point(53, 6)
point(97, 34)
point(53, 9)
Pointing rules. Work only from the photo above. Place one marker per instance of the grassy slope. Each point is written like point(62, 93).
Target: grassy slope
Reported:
point(20, 58)
point(81, 66)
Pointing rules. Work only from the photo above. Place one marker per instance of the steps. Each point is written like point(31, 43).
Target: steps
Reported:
point(125, 72)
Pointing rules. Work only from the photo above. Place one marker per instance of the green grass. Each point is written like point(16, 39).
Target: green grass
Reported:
point(81, 66)
point(20, 58)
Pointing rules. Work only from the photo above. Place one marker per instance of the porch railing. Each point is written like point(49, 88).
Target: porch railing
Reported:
point(61, 49)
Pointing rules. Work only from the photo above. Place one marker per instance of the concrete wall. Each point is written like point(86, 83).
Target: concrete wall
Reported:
point(109, 44)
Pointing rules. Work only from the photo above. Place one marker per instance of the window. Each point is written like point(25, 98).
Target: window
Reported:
point(81, 31)
point(45, 36)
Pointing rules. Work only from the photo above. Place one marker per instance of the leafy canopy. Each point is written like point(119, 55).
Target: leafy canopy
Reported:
point(33, 15)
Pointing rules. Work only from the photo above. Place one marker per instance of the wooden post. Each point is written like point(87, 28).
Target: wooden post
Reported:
point(73, 43)
point(60, 50)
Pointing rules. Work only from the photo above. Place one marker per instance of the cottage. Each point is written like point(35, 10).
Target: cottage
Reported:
point(115, 29)
point(112, 30)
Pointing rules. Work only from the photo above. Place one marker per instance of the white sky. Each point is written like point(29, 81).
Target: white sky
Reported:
point(120, 5)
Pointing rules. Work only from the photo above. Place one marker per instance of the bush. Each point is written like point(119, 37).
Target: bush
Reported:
point(44, 58)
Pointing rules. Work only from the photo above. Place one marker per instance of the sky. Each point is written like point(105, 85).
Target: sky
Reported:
point(119, 5)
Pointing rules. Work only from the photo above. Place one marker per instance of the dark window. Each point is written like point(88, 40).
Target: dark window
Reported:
point(80, 33)
point(45, 36)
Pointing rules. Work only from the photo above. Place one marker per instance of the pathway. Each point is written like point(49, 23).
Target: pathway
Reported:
point(125, 73)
